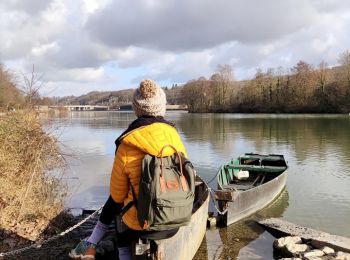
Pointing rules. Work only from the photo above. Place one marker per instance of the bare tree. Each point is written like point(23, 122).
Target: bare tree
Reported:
point(280, 80)
point(322, 76)
point(259, 83)
point(31, 85)
point(225, 81)
point(198, 95)
point(303, 86)
point(344, 60)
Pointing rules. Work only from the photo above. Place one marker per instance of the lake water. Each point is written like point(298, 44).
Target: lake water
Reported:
point(317, 148)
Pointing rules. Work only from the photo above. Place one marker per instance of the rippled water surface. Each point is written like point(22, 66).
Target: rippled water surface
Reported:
point(317, 148)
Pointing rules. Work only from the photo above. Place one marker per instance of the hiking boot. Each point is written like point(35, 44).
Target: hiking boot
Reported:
point(84, 251)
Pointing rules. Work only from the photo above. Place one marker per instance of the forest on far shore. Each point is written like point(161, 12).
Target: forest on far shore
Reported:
point(304, 88)
point(300, 89)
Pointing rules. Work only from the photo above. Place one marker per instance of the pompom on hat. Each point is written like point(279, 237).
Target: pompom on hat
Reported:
point(149, 99)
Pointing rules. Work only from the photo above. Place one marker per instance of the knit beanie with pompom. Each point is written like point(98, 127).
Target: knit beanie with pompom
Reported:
point(149, 99)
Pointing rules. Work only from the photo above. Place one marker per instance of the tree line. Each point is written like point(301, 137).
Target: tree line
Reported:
point(18, 90)
point(114, 99)
point(302, 88)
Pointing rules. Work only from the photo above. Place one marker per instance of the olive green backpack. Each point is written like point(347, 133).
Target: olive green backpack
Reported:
point(166, 192)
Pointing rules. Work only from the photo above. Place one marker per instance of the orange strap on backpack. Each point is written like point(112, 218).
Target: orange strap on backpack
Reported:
point(161, 178)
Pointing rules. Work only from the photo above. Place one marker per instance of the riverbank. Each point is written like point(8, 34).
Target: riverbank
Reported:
point(296, 243)
point(60, 244)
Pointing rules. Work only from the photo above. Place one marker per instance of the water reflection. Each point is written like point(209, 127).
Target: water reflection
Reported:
point(317, 148)
point(240, 234)
point(304, 136)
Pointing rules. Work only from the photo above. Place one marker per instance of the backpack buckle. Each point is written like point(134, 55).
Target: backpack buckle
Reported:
point(142, 248)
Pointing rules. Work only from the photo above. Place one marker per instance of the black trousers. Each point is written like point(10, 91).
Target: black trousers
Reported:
point(110, 210)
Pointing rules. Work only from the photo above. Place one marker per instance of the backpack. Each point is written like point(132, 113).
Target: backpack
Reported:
point(166, 191)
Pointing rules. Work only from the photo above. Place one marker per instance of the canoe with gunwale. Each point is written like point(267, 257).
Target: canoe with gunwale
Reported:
point(240, 198)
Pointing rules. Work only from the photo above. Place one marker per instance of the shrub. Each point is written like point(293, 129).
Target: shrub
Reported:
point(31, 168)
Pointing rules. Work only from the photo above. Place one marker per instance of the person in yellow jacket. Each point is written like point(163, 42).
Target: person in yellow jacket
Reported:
point(148, 134)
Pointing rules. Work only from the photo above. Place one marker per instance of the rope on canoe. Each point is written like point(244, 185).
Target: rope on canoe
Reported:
point(212, 196)
point(214, 177)
point(213, 200)
point(38, 245)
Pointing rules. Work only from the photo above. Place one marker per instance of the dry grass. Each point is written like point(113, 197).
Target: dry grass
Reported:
point(31, 168)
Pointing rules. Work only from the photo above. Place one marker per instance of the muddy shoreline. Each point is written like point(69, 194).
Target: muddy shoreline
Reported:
point(60, 247)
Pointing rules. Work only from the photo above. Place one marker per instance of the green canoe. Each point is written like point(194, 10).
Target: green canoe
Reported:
point(248, 184)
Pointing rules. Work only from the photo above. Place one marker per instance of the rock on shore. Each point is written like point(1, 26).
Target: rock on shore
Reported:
point(316, 238)
point(294, 247)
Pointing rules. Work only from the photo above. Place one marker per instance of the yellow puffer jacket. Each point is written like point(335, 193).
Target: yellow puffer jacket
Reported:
point(134, 146)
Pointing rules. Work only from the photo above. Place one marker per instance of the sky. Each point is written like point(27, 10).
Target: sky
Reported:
point(98, 45)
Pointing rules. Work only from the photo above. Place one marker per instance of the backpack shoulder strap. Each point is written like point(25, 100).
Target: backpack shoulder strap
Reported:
point(131, 203)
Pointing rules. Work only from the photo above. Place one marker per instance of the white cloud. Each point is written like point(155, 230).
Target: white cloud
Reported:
point(44, 49)
point(22, 31)
point(32, 7)
point(91, 6)
point(76, 74)
point(82, 43)
point(197, 24)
